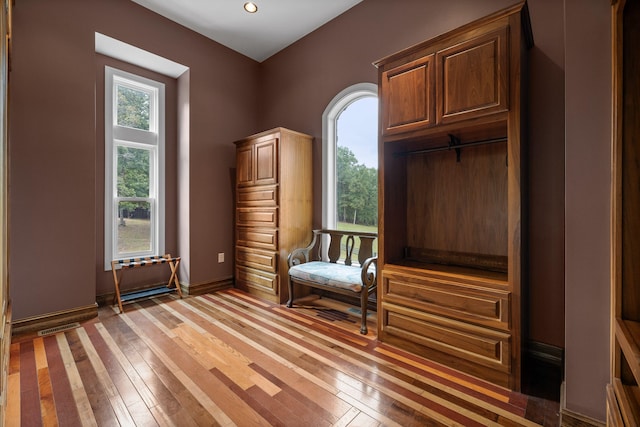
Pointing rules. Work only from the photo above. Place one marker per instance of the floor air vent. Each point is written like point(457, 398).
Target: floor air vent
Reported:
point(57, 329)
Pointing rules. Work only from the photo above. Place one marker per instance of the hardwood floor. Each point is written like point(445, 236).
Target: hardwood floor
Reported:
point(231, 359)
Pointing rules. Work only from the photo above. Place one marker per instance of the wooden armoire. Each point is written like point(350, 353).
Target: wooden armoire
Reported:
point(451, 194)
point(274, 196)
point(623, 392)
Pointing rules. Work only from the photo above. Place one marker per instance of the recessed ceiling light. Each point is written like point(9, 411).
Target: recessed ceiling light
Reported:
point(250, 7)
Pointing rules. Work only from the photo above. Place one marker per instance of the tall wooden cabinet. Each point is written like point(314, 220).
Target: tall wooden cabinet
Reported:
point(451, 192)
point(623, 392)
point(273, 208)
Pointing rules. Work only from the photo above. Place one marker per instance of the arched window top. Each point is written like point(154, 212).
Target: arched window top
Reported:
point(342, 101)
point(330, 116)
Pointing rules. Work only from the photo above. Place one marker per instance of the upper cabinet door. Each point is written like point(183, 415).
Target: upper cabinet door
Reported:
point(266, 162)
point(473, 77)
point(244, 164)
point(257, 162)
point(408, 92)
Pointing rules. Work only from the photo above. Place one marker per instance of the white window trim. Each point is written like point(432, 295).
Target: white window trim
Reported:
point(153, 140)
point(341, 101)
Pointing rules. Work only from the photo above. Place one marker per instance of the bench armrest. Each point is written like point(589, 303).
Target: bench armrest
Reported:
point(301, 255)
point(369, 275)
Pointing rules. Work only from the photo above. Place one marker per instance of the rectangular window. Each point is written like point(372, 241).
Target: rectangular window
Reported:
point(134, 166)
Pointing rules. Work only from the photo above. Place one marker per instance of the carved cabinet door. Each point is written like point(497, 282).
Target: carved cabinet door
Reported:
point(257, 163)
point(473, 77)
point(409, 96)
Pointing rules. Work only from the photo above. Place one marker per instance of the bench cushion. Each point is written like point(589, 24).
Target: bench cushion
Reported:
point(329, 274)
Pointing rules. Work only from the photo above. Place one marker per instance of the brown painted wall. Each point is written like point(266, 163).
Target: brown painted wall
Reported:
point(300, 81)
point(55, 213)
point(588, 205)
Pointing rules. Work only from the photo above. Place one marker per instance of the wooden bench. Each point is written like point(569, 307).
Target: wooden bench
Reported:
point(123, 264)
point(334, 271)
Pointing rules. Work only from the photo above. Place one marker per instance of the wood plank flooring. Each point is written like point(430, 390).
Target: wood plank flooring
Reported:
point(229, 358)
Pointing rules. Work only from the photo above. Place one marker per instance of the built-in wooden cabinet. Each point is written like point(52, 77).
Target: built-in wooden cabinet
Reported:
point(466, 80)
point(273, 208)
point(623, 392)
point(451, 193)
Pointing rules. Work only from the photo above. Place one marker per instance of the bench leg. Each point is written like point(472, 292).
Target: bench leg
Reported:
point(364, 300)
point(290, 302)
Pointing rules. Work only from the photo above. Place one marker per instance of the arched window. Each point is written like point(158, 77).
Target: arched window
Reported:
point(350, 159)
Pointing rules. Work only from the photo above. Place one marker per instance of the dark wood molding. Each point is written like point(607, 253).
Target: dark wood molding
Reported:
point(49, 320)
point(207, 287)
point(546, 353)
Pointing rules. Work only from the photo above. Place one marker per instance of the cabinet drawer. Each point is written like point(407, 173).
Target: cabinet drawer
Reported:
point(257, 238)
point(257, 258)
point(263, 195)
point(248, 279)
point(257, 217)
point(465, 302)
point(475, 344)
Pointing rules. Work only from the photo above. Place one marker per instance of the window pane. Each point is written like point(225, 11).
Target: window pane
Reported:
point(133, 172)
point(133, 108)
point(357, 166)
point(134, 227)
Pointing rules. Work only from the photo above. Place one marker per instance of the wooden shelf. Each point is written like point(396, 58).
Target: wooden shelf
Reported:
point(628, 335)
point(614, 416)
point(626, 405)
point(454, 270)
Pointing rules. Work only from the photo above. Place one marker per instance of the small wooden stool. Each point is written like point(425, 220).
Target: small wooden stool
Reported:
point(144, 262)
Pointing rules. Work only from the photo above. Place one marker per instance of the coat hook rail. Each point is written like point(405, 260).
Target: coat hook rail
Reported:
point(455, 144)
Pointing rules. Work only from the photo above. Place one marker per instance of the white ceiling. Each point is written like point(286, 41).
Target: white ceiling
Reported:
point(276, 25)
